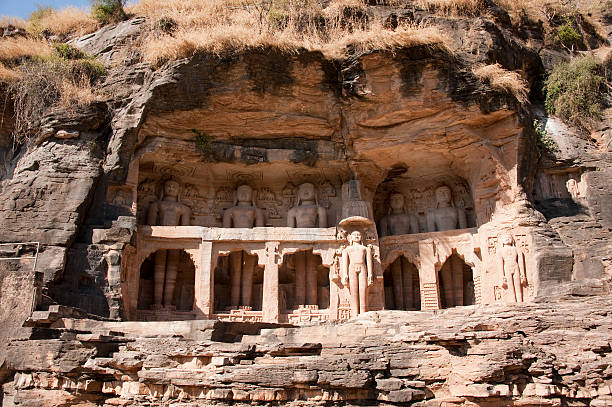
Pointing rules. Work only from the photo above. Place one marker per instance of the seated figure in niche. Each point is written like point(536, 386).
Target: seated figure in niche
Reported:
point(307, 213)
point(445, 216)
point(398, 222)
point(513, 268)
point(167, 212)
point(357, 272)
point(244, 213)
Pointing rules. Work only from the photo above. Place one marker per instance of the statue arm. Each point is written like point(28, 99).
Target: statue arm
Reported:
point(521, 262)
point(227, 218)
point(431, 222)
point(414, 224)
point(186, 217)
point(291, 218)
point(259, 218)
point(369, 265)
point(503, 272)
point(344, 266)
point(384, 228)
point(322, 217)
point(152, 214)
point(461, 218)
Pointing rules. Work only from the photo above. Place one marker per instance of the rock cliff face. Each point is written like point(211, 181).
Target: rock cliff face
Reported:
point(404, 121)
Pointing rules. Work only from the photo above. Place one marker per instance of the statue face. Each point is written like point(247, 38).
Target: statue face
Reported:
point(356, 236)
point(244, 193)
point(397, 201)
point(171, 188)
point(443, 195)
point(306, 192)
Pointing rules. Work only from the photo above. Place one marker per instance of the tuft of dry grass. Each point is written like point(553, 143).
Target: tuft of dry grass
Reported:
point(219, 26)
point(69, 21)
point(454, 7)
point(17, 22)
point(16, 48)
point(503, 80)
point(7, 75)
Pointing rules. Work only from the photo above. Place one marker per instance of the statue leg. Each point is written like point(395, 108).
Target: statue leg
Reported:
point(363, 291)
point(447, 283)
point(457, 280)
point(159, 274)
point(512, 288)
point(312, 286)
point(300, 278)
point(235, 260)
point(398, 292)
point(354, 289)
point(408, 285)
point(518, 287)
point(247, 279)
point(171, 271)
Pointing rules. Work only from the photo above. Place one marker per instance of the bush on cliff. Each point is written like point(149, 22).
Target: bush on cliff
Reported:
point(108, 11)
point(576, 90)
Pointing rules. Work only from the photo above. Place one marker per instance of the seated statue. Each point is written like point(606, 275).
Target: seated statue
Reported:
point(307, 213)
point(445, 216)
point(244, 213)
point(167, 212)
point(398, 222)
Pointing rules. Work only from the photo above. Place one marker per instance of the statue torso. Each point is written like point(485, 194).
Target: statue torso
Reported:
point(398, 224)
point(243, 216)
point(306, 216)
point(356, 254)
point(510, 257)
point(170, 213)
point(446, 218)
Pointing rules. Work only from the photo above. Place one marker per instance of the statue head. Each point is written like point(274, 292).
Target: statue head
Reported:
point(444, 197)
point(244, 193)
point(306, 192)
point(355, 237)
point(171, 189)
point(396, 203)
point(506, 238)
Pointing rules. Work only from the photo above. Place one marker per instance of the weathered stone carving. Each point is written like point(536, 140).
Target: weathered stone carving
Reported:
point(244, 213)
point(512, 267)
point(242, 266)
point(357, 272)
point(445, 216)
point(167, 212)
point(398, 221)
point(402, 291)
point(307, 213)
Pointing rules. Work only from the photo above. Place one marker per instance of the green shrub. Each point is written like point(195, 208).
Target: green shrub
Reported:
point(67, 51)
point(108, 11)
point(567, 36)
point(34, 26)
point(545, 142)
point(203, 144)
point(575, 91)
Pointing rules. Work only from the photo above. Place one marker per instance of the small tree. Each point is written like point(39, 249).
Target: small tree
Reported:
point(108, 11)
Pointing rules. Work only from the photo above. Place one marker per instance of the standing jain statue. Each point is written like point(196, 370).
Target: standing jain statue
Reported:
point(445, 216)
point(244, 213)
point(398, 221)
point(513, 267)
point(307, 213)
point(357, 272)
point(168, 211)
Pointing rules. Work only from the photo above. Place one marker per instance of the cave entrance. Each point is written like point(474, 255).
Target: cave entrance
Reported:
point(402, 286)
point(303, 281)
point(456, 283)
point(238, 282)
point(167, 281)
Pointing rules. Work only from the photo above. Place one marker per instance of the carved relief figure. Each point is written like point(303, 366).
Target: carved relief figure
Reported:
point(244, 213)
point(167, 212)
point(242, 266)
point(357, 272)
point(513, 268)
point(398, 222)
point(445, 216)
point(307, 213)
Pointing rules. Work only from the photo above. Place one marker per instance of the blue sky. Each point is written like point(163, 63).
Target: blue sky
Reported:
point(23, 8)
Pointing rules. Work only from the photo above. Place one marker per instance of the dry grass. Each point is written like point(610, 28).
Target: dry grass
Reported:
point(14, 49)
point(69, 21)
point(501, 79)
point(219, 26)
point(77, 92)
point(454, 7)
point(17, 22)
point(7, 75)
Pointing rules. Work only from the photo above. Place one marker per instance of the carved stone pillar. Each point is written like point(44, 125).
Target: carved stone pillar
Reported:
point(235, 263)
point(408, 288)
point(271, 298)
point(312, 286)
point(429, 285)
point(204, 286)
point(300, 278)
point(398, 284)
